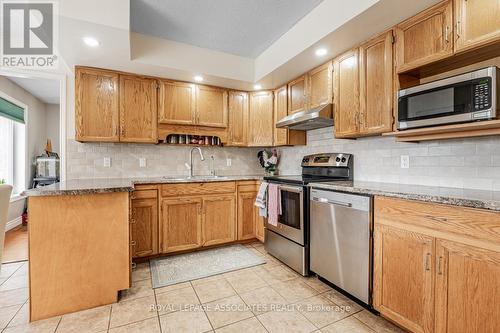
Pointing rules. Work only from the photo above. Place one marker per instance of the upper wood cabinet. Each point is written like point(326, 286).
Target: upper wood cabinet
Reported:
point(138, 109)
point(467, 288)
point(320, 85)
point(376, 85)
point(180, 226)
point(404, 292)
point(177, 102)
point(297, 94)
point(144, 226)
point(280, 112)
point(219, 219)
point(346, 94)
point(477, 23)
point(211, 106)
point(96, 105)
point(261, 119)
point(238, 118)
point(425, 37)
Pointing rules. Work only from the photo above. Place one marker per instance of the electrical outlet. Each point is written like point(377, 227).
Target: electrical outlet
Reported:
point(107, 162)
point(142, 162)
point(405, 162)
point(228, 162)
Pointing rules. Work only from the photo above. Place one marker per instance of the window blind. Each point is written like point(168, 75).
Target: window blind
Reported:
point(11, 111)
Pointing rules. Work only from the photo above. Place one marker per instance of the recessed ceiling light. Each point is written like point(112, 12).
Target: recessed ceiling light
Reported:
point(321, 52)
point(198, 78)
point(257, 87)
point(91, 41)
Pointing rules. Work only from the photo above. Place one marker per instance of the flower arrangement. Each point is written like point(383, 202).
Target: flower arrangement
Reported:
point(269, 160)
point(2, 181)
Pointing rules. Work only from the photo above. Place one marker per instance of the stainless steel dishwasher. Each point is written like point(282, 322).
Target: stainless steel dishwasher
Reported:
point(340, 241)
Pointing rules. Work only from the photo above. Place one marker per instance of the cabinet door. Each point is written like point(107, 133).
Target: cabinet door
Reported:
point(211, 106)
point(403, 277)
point(144, 227)
point(259, 228)
point(238, 118)
point(280, 112)
point(346, 94)
point(138, 109)
point(467, 289)
point(219, 219)
point(247, 215)
point(320, 85)
point(96, 105)
point(375, 63)
point(180, 226)
point(477, 23)
point(297, 95)
point(261, 119)
point(177, 103)
point(425, 38)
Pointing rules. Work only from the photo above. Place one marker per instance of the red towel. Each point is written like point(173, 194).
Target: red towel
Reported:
point(274, 204)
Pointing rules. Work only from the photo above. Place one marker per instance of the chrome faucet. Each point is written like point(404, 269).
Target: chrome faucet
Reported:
point(191, 160)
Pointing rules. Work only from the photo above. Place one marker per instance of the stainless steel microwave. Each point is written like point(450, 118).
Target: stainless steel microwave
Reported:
point(458, 99)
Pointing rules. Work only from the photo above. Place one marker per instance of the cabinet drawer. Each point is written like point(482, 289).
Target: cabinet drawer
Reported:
point(478, 227)
point(248, 188)
point(144, 194)
point(197, 188)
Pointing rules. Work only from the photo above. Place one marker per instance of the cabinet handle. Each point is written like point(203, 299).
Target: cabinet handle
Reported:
point(132, 243)
point(446, 32)
point(428, 262)
point(133, 265)
point(457, 28)
point(440, 265)
point(132, 221)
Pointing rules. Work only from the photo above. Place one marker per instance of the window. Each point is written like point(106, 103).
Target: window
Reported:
point(12, 146)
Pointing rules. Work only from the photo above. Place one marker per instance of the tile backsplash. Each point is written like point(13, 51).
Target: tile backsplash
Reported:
point(465, 163)
point(86, 160)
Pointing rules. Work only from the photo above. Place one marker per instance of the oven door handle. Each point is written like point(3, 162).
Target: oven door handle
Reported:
point(290, 189)
point(332, 202)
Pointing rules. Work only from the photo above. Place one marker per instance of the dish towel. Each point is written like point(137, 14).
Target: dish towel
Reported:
point(261, 200)
point(274, 204)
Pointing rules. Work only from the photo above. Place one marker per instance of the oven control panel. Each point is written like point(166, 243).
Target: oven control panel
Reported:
point(328, 159)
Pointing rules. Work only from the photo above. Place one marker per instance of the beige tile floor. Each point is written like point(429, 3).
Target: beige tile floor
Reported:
point(267, 298)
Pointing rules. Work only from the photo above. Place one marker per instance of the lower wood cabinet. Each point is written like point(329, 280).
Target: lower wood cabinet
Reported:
point(436, 267)
point(144, 227)
point(247, 215)
point(219, 219)
point(180, 226)
point(259, 228)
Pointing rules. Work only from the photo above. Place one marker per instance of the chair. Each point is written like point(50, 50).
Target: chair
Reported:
point(5, 191)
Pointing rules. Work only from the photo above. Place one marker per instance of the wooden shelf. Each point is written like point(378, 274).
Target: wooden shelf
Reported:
point(479, 128)
point(188, 144)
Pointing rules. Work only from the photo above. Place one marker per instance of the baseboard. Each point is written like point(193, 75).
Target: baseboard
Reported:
point(14, 223)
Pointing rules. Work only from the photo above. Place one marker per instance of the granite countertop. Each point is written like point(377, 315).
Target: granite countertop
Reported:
point(108, 185)
point(444, 195)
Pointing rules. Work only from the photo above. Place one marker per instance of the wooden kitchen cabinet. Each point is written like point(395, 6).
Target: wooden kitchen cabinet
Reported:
point(467, 288)
point(477, 23)
point(96, 105)
point(238, 118)
point(211, 106)
point(180, 227)
point(425, 37)
point(280, 112)
point(144, 226)
point(297, 95)
point(247, 215)
point(219, 219)
point(346, 95)
point(138, 109)
point(376, 85)
point(259, 228)
point(177, 102)
point(261, 119)
point(320, 85)
point(403, 277)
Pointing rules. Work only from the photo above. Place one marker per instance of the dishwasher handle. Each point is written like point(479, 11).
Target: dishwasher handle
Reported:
point(332, 202)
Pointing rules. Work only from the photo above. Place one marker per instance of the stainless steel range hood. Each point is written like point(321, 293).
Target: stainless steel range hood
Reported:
point(319, 117)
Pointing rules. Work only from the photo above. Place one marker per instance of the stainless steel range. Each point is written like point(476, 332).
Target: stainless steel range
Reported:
point(289, 240)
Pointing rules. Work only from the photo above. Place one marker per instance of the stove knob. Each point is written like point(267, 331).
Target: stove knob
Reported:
point(344, 159)
point(337, 159)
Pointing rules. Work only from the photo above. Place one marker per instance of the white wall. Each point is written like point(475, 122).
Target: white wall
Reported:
point(52, 126)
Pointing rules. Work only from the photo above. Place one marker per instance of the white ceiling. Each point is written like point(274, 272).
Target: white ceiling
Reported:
point(44, 89)
point(241, 27)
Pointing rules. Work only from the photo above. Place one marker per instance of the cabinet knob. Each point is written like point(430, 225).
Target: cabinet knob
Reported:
point(132, 221)
point(133, 243)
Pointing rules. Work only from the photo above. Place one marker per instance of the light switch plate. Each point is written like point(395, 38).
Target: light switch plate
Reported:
point(142, 162)
point(228, 162)
point(107, 162)
point(405, 162)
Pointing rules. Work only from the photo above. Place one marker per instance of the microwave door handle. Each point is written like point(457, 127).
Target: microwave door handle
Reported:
point(333, 202)
point(290, 189)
